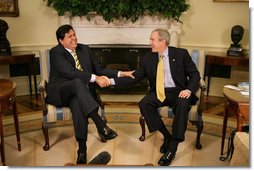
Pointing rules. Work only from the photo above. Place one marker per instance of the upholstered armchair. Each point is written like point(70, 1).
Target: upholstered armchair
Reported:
point(53, 114)
point(195, 114)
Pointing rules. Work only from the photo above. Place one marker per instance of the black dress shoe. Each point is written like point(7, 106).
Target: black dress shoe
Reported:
point(81, 158)
point(107, 134)
point(165, 146)
point(166, 159)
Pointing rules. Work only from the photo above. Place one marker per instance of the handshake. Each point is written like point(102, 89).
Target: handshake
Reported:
point(104, 81)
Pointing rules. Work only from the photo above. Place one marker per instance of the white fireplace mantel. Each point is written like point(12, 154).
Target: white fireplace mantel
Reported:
point(98, 31)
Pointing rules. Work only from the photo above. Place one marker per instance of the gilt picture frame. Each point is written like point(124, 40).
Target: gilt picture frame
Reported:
point(9, 8)
point(231, 0)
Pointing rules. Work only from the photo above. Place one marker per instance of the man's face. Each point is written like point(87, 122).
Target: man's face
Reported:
point(70, 40)
point(156, 44)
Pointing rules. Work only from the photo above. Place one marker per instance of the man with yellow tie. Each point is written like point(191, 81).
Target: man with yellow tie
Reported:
point(174, 80)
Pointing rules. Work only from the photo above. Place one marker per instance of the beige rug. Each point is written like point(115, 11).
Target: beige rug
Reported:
point(126, 149)
point(118, 109)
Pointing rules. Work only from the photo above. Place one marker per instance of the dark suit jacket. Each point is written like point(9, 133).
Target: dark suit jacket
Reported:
point(62, 69)
point(184, 71)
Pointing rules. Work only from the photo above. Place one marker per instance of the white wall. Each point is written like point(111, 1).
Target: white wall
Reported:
point(206, 25)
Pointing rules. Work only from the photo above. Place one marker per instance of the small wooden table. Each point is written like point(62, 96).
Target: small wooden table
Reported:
point(7, 100)
point(236, 104)
point(221, 58)
point(20, 58)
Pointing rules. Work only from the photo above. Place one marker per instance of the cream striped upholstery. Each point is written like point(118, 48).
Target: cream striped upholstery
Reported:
point(57, 114)
point(60, 114)
point(167, 112)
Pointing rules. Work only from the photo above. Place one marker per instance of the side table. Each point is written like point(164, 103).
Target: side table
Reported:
point(22, 58)
point(7, 100)
point(235, 104)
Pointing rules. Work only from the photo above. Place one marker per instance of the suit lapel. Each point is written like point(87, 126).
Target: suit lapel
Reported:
point(69, 56)
point(82, 59)
point(154, 62)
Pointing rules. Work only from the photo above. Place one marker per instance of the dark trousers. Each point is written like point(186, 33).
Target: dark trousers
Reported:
point(149, 109)
point(76, 95)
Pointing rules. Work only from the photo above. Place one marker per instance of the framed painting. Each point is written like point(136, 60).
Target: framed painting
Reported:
point(231, 0)
point(9, 8)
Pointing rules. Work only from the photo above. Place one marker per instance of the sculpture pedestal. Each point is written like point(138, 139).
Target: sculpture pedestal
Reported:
point(235, 51)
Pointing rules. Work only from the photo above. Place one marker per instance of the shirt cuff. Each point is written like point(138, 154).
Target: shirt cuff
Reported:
point(93, 78)
point(119, 74)
point(188, 91)
point(112, 81)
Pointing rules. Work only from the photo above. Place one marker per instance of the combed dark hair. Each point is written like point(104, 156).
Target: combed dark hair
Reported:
point(60, 33)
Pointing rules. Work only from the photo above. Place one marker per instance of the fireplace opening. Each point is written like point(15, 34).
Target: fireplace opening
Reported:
point(124, 58)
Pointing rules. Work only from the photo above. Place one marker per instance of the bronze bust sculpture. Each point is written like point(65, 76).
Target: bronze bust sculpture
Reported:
point(235, 49)
point(4, 43)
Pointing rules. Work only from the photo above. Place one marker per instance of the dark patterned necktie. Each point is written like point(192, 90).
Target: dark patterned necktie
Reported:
point(75, 56)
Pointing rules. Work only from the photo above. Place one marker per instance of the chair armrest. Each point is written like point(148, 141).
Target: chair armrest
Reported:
point(42, 85)
point(202, 85)
point(42, 95)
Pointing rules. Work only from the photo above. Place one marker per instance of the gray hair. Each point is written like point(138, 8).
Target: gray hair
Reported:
point(163, 34)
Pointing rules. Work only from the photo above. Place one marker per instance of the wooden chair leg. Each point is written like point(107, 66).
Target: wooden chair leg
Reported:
point(45, 128)
point(199, 125)
point(199, 132)
point(142, 124)
point(2, 151)
point(2, 141)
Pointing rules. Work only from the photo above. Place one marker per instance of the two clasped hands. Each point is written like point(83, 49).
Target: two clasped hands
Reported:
point(104, 81)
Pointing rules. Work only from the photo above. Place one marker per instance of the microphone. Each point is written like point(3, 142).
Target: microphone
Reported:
point(102, 158)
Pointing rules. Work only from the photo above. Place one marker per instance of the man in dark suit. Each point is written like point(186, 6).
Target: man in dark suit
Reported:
point(74, 72)
point(181, 81)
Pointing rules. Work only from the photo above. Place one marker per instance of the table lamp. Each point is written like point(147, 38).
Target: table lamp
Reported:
point(235, 48)
point(4, 43)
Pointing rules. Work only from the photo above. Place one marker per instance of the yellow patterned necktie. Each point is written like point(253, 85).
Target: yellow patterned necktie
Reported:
point(78, 66)
point(160, 80)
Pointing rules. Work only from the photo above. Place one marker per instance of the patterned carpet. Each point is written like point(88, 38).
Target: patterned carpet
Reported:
point(125, 149)
point(120, 112)
point(120, 115)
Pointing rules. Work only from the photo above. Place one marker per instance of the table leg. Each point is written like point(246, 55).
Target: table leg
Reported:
point(35, 86)
point(16, 123)
point(34, 75)
point(33, 72)
point(225, 122)
point(2, 141)
point(208, 85)
point(30, 85)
